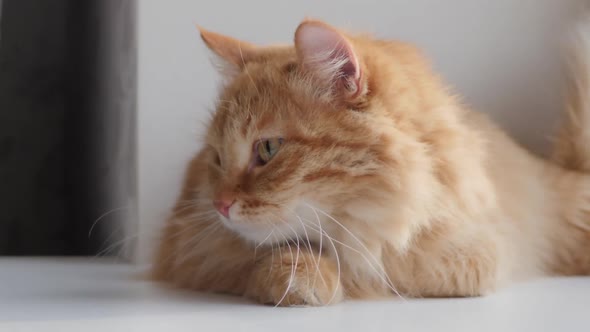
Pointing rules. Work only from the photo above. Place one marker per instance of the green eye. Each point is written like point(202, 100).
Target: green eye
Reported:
point(266, 149)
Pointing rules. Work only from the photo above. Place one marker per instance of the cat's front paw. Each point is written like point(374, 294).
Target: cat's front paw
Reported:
point(295, 280)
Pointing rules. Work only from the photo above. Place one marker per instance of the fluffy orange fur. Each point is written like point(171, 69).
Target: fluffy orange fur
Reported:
point(384, 182)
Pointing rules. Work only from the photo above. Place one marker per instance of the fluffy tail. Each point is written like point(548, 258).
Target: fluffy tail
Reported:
point(571, 237)
point(572, 148)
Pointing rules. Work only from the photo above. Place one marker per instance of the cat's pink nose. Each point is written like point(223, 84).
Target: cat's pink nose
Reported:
point(223, 204)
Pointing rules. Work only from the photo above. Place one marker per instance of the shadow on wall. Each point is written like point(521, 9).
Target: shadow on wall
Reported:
point(67, 148)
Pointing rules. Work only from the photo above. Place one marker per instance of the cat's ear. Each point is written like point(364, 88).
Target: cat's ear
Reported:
point(234, 52)
point(330, 56)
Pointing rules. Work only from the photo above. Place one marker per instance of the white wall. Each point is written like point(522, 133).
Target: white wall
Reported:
point(501, 55)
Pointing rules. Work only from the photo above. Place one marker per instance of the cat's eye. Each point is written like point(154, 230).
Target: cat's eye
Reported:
point(266, 149)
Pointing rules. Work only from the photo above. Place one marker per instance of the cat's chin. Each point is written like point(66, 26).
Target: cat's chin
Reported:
point(264, 234)
point(259, 234)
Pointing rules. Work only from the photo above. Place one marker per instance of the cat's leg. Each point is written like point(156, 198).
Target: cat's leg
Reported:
point(288, 276)
point(203, 256)
point(207, 257)
point(451, 265)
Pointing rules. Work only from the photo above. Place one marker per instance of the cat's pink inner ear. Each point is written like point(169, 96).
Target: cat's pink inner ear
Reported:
point(328, 53)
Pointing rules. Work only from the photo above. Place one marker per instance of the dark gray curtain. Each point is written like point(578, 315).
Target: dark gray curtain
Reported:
point(67, 117)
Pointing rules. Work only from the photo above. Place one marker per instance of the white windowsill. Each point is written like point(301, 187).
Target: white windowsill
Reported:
point(62, 294)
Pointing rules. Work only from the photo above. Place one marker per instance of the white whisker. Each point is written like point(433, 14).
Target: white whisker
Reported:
point(104, 215)
point(298, 248)
point(316, 262)
point(115, 244)
point(338, 266)
point(383, 274)
point(292, 272)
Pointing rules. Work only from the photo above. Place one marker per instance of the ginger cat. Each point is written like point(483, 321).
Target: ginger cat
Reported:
point(343, 167)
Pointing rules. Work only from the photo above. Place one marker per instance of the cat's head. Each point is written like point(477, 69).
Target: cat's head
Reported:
point(334, 125)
